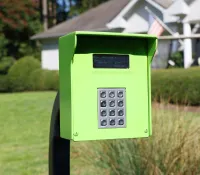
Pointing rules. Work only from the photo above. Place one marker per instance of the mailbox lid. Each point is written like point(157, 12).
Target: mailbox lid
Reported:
point(76, 42)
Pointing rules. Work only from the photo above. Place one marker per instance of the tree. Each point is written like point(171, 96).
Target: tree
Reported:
point(84, 5)
point(18, 21)
point(16, 14)
point(62, 10)
point(88, 4)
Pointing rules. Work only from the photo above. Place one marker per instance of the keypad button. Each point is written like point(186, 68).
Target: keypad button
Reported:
point(112, 122)
point(120, 112)
point(103, 123)
point(112, 113)
point(111, 94)
point(121, 122)
point(120, 103)
point(112, 103)
point(120, 94)
point(103, 103)
point(103, 94)
point(103, 113)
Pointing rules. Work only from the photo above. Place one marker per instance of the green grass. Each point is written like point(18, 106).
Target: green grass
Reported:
point(24, 124)
point(24, 132)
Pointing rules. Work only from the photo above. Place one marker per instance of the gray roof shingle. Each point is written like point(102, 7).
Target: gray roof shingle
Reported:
point(93, 19)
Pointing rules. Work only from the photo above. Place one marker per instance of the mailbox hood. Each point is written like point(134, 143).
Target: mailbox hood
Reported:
point(109, 42)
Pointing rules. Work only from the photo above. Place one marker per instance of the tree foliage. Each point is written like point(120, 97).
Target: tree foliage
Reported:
point(67, 9)
point(87, 4)
point(19, 19)
point(84, 5)
point(16, 14)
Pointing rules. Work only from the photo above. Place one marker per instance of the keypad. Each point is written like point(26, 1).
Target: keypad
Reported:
point(112, 107)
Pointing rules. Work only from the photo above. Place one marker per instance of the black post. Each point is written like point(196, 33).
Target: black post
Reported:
point(59, 148)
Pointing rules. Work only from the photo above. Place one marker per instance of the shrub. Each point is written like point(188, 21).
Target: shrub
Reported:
point(52, 80)
point(5, 64)
point(37, 80)
point(44, 80)
point(4, 83)
point(172, 149)
point(177, 57)
point(177, 86)
point(19, 73)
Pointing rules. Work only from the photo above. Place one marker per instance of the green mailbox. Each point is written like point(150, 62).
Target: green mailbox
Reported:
point(105, 85)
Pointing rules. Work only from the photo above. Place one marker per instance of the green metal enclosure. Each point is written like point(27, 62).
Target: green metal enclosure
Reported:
point(82, 79)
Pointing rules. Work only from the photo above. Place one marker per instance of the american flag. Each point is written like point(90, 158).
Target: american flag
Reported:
point(156, 28)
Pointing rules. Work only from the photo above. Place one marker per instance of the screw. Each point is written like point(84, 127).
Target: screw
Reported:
point(76, 134)
point(146, 130)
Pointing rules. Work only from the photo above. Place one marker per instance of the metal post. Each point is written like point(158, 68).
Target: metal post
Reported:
point(59, 149)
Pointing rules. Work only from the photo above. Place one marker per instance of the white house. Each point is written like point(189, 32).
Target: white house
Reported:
point(132, 17)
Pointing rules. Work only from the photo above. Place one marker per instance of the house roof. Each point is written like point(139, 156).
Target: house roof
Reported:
point(99, 18)
point(93, 19)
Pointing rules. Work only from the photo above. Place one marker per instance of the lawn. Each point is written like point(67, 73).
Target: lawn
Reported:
point(24, 132)
point(25, 119)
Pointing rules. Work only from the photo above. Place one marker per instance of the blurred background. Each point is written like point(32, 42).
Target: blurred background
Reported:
point(29, 79)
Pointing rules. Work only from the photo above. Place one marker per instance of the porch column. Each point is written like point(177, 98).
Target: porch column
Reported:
point(187, 45)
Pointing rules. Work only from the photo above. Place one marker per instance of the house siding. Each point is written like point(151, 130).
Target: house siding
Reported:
point(50, 56)
point(160, 59)
point(138, 18)
point(135, 20)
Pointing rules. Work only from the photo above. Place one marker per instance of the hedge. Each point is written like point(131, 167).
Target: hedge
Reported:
point(4, 84)
point(41, 80)
point(180, 86)
point(18, 74)
point(38, 80)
